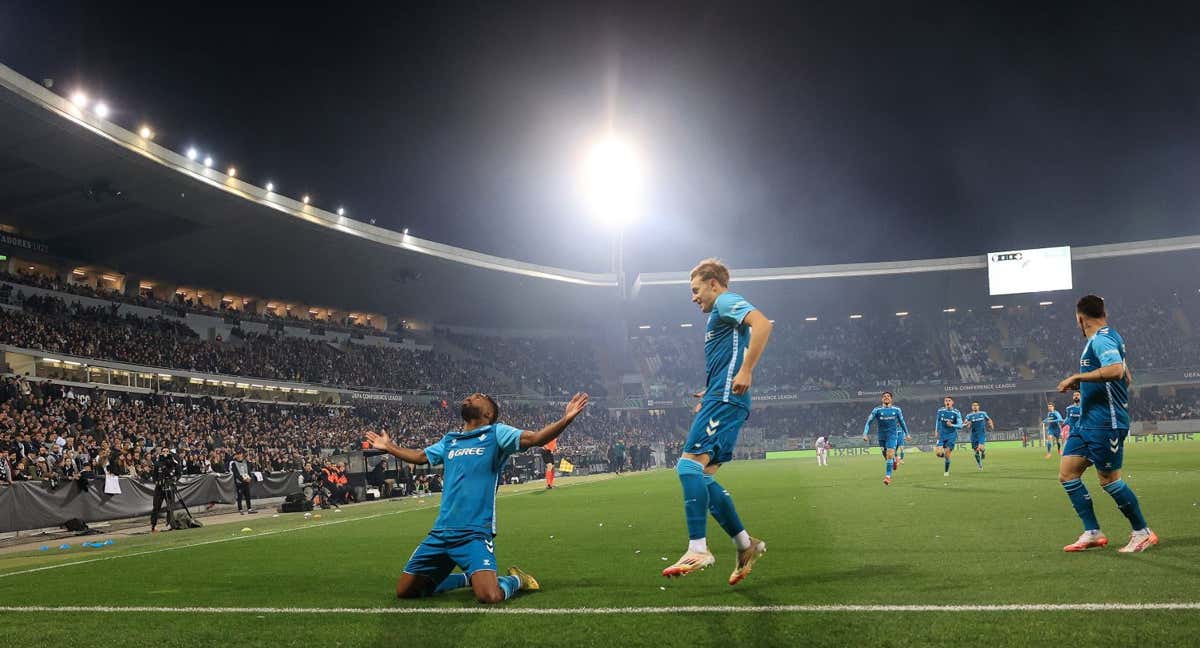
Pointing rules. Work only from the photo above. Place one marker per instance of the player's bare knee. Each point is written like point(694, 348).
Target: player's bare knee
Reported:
point(1107, 478)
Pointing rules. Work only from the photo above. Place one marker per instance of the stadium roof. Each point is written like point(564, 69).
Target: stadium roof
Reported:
point(90, 190)
point(93, 191)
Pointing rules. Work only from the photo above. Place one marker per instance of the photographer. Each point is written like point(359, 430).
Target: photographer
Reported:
point(240, 470)
point(166, 472)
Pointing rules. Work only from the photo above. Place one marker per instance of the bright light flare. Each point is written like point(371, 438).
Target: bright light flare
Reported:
point(101, 109)
point(146, 132)
point(612, 177)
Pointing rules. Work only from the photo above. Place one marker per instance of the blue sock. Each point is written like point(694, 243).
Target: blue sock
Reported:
point(510, 585)
point(901, 453)
point(720, 504)
point(1127, 502)
point(1048, 446)
point(947, 465)
point(451, 582)
point(1082, 502)
point(888, 465)
point(978, 459)
point(695, 497)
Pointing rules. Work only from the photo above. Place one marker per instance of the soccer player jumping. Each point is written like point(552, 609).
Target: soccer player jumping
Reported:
point(890, 429)
point(1099, 440)
point(730, 354)
point(465, 529)
point(980, 423)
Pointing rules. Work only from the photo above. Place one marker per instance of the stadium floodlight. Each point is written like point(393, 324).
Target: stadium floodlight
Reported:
point(644, 326)
point(208, 161)
point(101, 109)
point(810, 319)
point(232, 173)
point(856, 316)
point(145, 132)
point(304, 199)
point(80, 99)
point(612, 180)
point(950, 310)
point(902, 314)
point(341, 211)
point(270, 186)
point(688, 325)
point(406, 231)
point(997, 306)
point(1045, 303)
point(192, 154)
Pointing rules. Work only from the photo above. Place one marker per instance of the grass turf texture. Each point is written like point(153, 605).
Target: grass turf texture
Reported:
point(835, 535)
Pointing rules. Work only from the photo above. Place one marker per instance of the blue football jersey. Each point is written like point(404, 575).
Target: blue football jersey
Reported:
point(1053, 422)
point(473, 463)
point(725, 342)
point(978, 422)
point(889, 420)
point(1073, 412)
point(949, 421)
point(1103, 405)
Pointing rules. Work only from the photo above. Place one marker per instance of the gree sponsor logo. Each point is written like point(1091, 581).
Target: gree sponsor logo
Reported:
point(465, 451)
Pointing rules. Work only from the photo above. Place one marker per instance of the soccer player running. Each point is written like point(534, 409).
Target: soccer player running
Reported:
point(1073, 412)
point(1052, 429)
point(1099, 440)
point(949, 422)
point(980, 423)
point(890, 426)
point(465, 528)
point(730, 354)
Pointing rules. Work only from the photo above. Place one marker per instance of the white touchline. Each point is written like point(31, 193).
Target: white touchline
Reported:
point(314, 525)
point(724, 609)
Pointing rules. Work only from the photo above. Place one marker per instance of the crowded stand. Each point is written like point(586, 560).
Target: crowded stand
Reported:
point(179, 303)
point(977, 345)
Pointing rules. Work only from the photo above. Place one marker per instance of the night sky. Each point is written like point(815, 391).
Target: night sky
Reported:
point(774, 135)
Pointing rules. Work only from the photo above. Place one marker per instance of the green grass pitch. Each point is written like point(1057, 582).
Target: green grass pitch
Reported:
point(835, 536)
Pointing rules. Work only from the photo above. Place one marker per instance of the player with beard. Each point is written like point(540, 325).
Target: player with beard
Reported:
point(463, 534)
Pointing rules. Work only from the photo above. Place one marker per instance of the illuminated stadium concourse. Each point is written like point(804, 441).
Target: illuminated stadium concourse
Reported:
point(541, 324)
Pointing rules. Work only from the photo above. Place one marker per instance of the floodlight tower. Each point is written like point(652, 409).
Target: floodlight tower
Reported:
point(613, 182)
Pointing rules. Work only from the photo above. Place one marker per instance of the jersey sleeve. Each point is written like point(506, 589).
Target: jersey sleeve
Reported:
point(870, 417)
point(732, 308)
point(1107, 351)
point(508, 438)
point(436, 453)
point(900, 420)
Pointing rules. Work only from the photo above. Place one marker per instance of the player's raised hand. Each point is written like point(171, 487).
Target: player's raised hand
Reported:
point(578, 402)
point(741, 382)
point(379, 441)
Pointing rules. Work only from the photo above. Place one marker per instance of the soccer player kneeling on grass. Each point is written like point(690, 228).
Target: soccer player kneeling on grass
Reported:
point(465, 528)
point(730, 355)
point(1099, 440)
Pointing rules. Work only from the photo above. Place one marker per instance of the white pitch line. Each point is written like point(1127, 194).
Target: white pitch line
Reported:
point(248, 537)
point(209, 542)
point(579, 611)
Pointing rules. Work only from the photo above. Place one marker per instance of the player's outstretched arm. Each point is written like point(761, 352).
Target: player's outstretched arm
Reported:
point(549, 433)
point(381, 441)
point(761, 327)
point(867, 427)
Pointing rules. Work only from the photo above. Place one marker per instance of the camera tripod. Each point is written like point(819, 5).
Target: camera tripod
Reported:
point(170, 489)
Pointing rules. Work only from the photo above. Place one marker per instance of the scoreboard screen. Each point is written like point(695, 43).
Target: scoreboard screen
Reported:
point(1029, 271)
